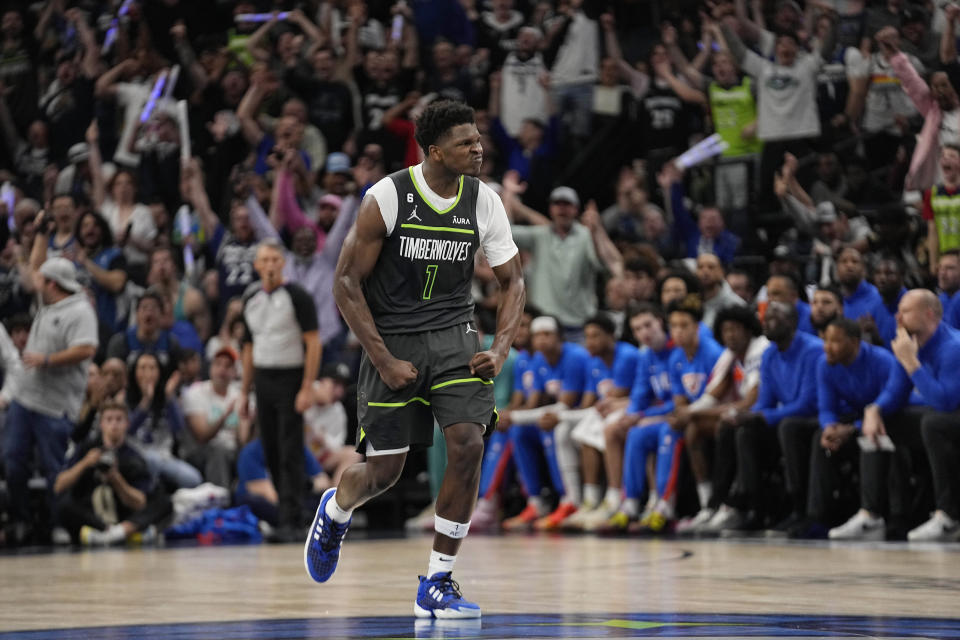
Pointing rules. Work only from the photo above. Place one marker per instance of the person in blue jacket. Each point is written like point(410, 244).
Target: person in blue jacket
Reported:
point(851, 374)
point(888, 276)
point(788, 393)
point(861, 300)
point(929, 351)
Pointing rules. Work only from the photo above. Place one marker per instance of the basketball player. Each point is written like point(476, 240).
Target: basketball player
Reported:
point(403, 285)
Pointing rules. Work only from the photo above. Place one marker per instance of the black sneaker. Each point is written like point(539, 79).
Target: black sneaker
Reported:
point(783, 528)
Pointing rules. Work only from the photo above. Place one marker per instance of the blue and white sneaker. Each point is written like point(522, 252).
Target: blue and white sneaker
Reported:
point(439, 597)
point(321, 552)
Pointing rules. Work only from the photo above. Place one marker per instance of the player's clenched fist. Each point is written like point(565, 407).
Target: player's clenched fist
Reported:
point(398, 373)
point(485, 364)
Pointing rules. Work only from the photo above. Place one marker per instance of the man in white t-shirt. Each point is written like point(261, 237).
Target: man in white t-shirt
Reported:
point(215, 430)
point(522, 96)
point(877, 101)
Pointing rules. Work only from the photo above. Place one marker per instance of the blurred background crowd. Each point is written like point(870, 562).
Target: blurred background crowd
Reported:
point(152, 144)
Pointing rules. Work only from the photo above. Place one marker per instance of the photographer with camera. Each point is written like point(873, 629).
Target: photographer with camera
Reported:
point(106, 492)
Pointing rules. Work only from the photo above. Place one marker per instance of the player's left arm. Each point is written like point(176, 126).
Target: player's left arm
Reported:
point(487, 364)
point(500, 250)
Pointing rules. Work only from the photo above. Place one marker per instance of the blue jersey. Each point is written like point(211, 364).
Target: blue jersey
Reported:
point(601, 379)
point(569, 374)
point(625, 367)
point(688, 378)
point(651, 393)
point(252, 465)
point(108, 259)
point(523, 375)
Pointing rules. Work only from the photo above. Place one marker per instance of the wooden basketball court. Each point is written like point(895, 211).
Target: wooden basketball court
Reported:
point(532, 587)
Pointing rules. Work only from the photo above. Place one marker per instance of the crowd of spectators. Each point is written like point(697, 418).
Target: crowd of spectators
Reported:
point(734, 325)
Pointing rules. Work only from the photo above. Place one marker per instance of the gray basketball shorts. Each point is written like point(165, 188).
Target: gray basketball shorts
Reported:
point(395, 421)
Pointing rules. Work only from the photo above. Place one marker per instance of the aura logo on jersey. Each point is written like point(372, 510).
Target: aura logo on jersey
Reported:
point(434, 250)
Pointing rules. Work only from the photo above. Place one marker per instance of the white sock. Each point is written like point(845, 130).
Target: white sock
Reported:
point(336, 513)
point(631, 507)
point(568, 461)
point(591, 495)
point(538, 504)
point(440, 563)
point(612, 497)
point(705, 492)
point(652, 501)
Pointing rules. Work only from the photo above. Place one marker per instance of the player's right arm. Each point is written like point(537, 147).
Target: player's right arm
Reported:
point(360, 252)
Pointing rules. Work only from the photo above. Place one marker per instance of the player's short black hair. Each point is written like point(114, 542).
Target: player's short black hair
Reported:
point(739, 314)
point(438, 118)
point(783, 33)
point(848, 326)
point(18, 321)
point(604, 322)
point(691, 304)
point(791, 279)
point(639, 265)
point(693, 285)
point(892, 259)
point(641, 308)
point(832, 290)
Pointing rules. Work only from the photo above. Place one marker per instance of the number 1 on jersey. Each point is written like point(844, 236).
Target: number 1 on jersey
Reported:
point(431, 278)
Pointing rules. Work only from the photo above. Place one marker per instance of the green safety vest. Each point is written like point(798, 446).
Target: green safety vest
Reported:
point(946, 215)
point(732, 109)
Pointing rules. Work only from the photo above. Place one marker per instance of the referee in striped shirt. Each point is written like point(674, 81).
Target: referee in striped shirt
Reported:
point(281, 356)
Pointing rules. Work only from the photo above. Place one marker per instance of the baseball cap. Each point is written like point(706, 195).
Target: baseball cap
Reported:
point(791, 4)
point(565, 194)
point(337, 371)
point(782, 252)
point(332, 200)
point(910, 15)
point(338, 162)
point(61, 271)
point(78, 153)
point(227, 350)
point(826, 213)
